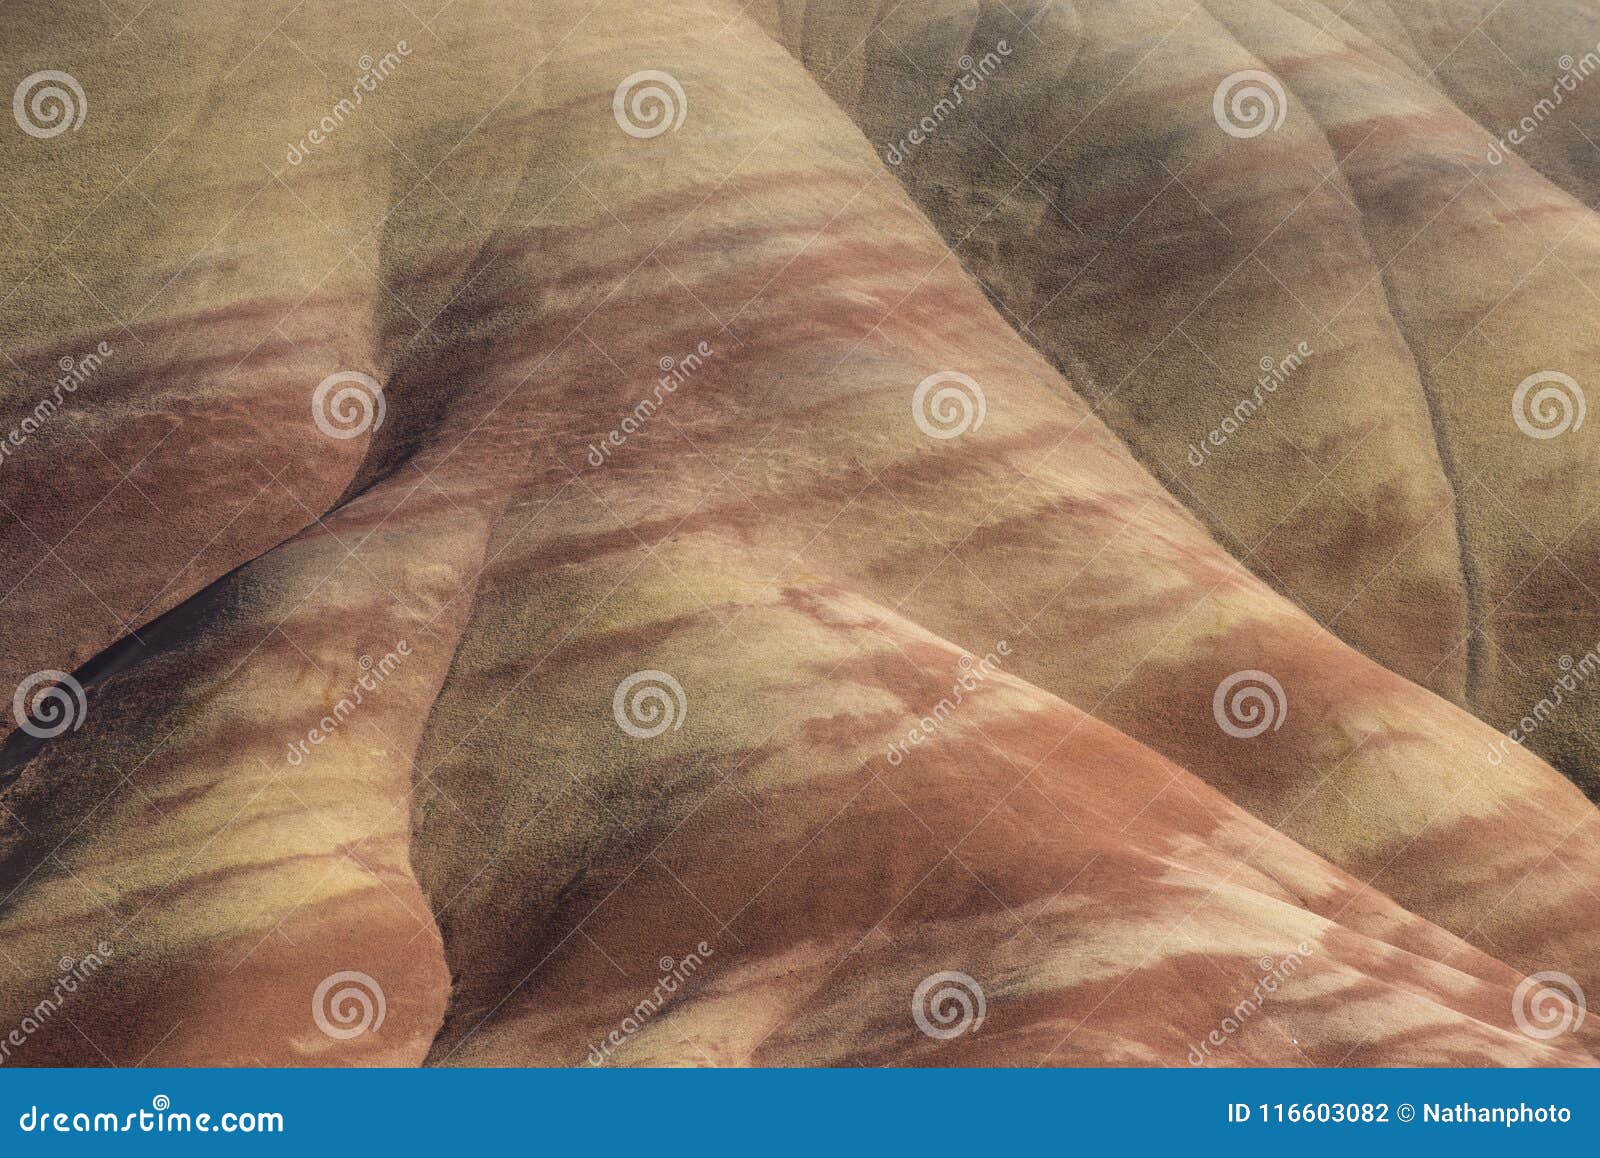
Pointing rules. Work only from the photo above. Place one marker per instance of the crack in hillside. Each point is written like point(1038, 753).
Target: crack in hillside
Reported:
point(1472, 584)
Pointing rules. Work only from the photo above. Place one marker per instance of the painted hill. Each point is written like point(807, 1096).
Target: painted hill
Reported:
point(571, 557)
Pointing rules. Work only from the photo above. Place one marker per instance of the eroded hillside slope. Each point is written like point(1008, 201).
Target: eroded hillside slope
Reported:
point(1288, 253)
point(440, 701)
